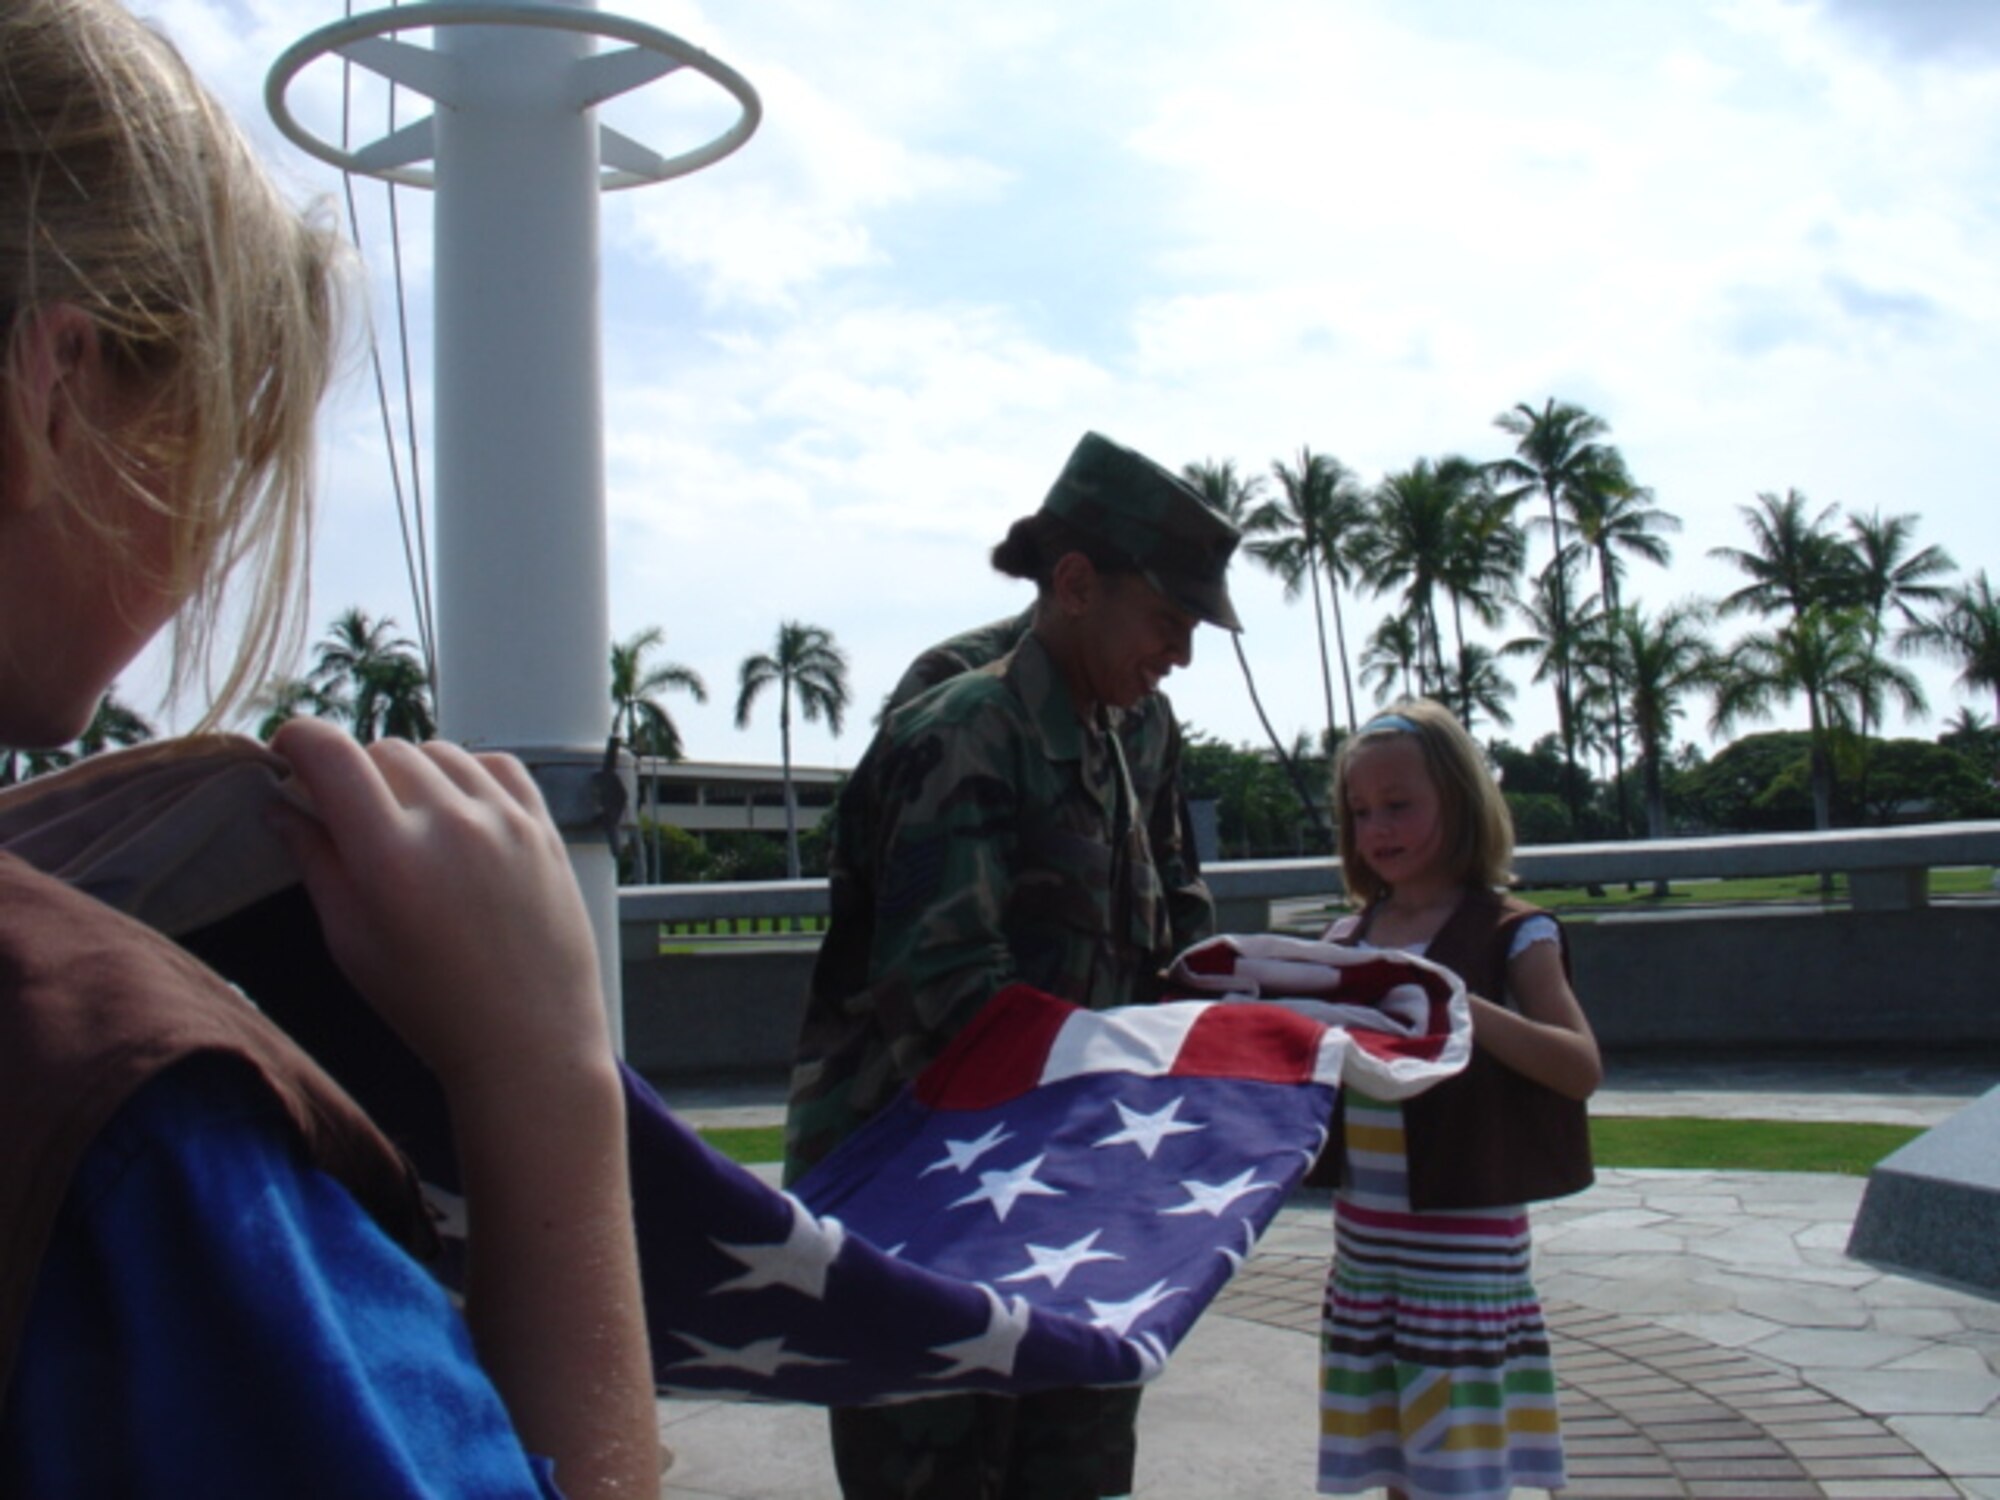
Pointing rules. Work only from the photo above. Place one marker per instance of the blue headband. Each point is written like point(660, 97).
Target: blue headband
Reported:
point(1389, 721)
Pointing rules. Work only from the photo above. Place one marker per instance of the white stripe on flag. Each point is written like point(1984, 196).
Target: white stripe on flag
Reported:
point(1144, 1039)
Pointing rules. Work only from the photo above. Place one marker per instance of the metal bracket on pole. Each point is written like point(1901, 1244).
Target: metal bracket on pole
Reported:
point(590, 793)
point(652, 54)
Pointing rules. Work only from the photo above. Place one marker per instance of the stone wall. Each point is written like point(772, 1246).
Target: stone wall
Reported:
point(1794, 980)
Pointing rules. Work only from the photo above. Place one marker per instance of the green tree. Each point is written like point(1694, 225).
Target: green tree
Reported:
point(1966, 633)
point(1556, 452)
point(1662, 661)
point(1615, 519)
point(1917, 780)
point(1888, 574)
point(1426, 532)
point(1537, 784)
point(377, 675)
point(1258, 810)
point(113, 724)
point(1237, 501)
point(805, 664)
point(285, 698)
point(1822, 656)
point(1308, 531)
point(638, 718)
point(1760, 783)
point(1391, 662)
point(1483, 559)
point(1794, 561)
point(641, 723)
point(1479, 687)
point(1555, 641)
point(1969, 735)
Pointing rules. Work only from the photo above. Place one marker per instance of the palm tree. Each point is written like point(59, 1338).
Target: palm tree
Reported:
point(1392, 660)
point(1236, 501)
point(1478, 685)
point(1886, 576)
point(1793, 562)
point(1966, 632)
point(638, 719)
point(1554, 638)
point(1408, 543)
point(393, 701)
point(1481, 568)
point(285, 698)
point(1823, 656)
point(113, 723)
point(806, 664)
point(1615, 518)
point(1556, 450)
point(1308, 531)
point(1661, 661)
point(377, 675)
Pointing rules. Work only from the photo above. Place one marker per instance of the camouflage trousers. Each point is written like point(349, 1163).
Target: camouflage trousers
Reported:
point(1056, 1445)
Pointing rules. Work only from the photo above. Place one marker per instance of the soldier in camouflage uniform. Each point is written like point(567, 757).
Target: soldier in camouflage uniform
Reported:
point(1151, 738)
point(994, 832)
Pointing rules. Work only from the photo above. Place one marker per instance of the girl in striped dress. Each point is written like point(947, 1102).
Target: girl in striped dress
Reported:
point(1435, 1372)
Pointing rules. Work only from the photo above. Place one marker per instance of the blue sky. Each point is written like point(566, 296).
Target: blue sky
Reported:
point(1758, 237)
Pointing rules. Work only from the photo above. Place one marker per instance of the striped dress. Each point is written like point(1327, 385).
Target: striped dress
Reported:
point(1435, 1370)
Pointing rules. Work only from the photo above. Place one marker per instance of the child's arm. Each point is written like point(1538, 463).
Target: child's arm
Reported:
point(447, 897)
point(1548, 1039)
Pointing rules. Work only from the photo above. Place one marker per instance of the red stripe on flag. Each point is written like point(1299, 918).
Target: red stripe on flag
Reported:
point(999, 1056)
point(1392, 1047)
point(1263, 1043)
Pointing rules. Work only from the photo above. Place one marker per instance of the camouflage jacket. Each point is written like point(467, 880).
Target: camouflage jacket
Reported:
point(987, 836)
point(1152, 740)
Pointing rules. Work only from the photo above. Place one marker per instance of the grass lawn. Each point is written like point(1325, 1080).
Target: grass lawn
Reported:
point(1744, 1145)
point(1733, 1145)
point(1576, 900)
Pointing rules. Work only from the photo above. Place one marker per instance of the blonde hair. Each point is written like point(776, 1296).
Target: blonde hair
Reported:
point(1478, 831)
point(126, 192)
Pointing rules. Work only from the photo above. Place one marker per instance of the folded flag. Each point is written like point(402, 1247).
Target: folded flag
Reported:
point(1408, 1017)
point(1052, 1203)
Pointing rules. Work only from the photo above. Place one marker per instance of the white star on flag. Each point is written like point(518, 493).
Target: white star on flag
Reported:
point(1214, 1198)
point(1054, 1264)
point(1237, 1257)
point(959, 1156)
point(1001, 1189)
point(763, 1357)
point(1120, 1316)
point(800, 1263)
point(994, 1349)
point(1147, 1131)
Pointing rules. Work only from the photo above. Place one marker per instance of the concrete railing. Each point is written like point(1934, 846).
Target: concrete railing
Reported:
point(1887, 969)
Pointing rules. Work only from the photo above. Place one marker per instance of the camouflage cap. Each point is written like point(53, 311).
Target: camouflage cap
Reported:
point(1155, 518)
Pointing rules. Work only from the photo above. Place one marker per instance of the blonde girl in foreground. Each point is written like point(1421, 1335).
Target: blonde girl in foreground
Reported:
point(1436, 1379)
point(193, 1299)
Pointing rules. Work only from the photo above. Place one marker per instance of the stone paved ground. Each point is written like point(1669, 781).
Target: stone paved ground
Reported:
point(1649, 1413)
point(1712, 1337)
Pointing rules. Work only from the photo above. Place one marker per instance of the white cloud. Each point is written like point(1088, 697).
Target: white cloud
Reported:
point(1756, 235)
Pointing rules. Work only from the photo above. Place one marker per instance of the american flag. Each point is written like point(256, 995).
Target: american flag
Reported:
point(1053, 1203)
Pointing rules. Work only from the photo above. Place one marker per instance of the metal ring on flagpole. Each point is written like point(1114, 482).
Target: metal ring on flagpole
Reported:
point(428, 14)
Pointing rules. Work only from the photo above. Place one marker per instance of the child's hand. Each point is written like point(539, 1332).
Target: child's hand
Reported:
point(447, 898)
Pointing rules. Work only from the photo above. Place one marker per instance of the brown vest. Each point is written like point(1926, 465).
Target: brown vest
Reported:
point(92, 1005)
point(1490, 1136)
